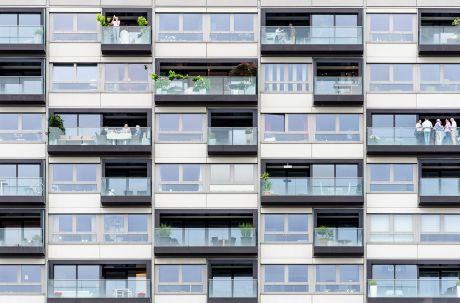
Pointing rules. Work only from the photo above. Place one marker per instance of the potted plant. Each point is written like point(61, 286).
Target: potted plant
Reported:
point(456, 23)
point(141, 294)
point(103, 21)
point(201, 84)
point(249, 135)
point(246, 233)
point(266, 184)
point(164, 233)
point(325, 234)
point(170, 77)
point(374, 139)
point(373, 288)
point(56, 128)
point(162, 84)
point(144, 30)
point(246, 72)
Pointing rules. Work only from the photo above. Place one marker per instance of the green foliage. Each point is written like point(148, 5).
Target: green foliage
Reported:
point(372, 283)
point(246, 229)
point(56, 121)
point(201, 83)
point(266, 182)
point(456, 21)
point(325, 232)
point(172, 75)
point(142, 21)
point(103, 21)
point(165, 230)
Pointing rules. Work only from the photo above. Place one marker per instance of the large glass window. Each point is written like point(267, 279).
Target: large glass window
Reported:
point(286, 227)
point(338, 278)
point(391, 77)
point(286, 78)
point(73, 228)
point(180, 278)
point(391, 177)
point(232, 177)
point(338, 127)
point(384, 28)
point(73, 27)
point(180, 27)
point(180, 177)
point(285, 278)
point(74, 177)
point(21, 127)
point(20, 179)
point(285, 127)
point(74, 77)
point(21, 279)
point(440, 77)
point(180, 127)
point(232, 27)
point(21, 28)
point(126, 77)
point(391, 228)
point(440, 228)
point(126, 228)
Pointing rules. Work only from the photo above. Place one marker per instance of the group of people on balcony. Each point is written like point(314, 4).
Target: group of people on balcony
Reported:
point(439, 134)
point(285, 35)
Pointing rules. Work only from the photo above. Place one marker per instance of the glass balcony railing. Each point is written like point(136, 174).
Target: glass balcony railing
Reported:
point(232, 136)
point(21, 85)
point(109, 288)
point(126, 187)
point(338, 86)
point(312, 186)
point(21, 237)
point(410, 136)
point(439, 35)
point(211, 237)
point(199, 36)
point(325, 236)
point(21, 287)
point(108, 237)
point(21, 186)
point(232, 288)
point(414, 288)
point(311, 35)
point(213, 85)
point(440, 186)
point(100, 136)
point(21, 136)
point(126, 35)
point(22, 34)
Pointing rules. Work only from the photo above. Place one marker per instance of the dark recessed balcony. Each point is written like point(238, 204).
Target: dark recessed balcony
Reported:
point(126, 40)
point(22, 90)
point(21, 192)
point(232, 141)
point(241, 290)
point(439, 40)
point(308, 40)
point(21, 242)
point(312, 191)
point(338, 91)
point(439, 191)
point(336, 242)
point(100, 140)
point(25, 39)
point(408, 141)
point(129, 191)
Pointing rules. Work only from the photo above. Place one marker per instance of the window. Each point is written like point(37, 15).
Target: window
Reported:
point(180, 177)
point(286, 78)
point(440, 228)
point(74, 77)
point(338, 278)
point(391, 177)
point(391, 228)
point(285, 278)
point(73, 228)
point(76, 272)
point(126, 77)
point(394, 272)
point(180, 278)
point(21, 279)
point(21, 180)
point(126, 228)
point(440, 77)
point(21, 28)
point(232, 177)
point(180, 127)
point(74, 27)
point(21, 127)
point(74, 177)
point(391, 77)
point(180, 27)
point(286, 227)
point(232, 27)
point(391, 28)
point(285, 127)
point(338, 127)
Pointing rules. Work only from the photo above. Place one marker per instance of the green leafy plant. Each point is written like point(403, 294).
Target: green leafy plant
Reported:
point(458, 282)
point(56, 122)
point(324, 232)
point(172, 75)
point(372, 283)
point(165, 230)
point(103, 21)
point(456, 21)
point(160, 81)
point(246, 229)
point(266, 182)
point(200, 83)
point(142, 21)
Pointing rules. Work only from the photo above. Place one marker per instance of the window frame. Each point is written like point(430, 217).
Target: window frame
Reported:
point(284, 68)
point(286, 281)
point(392, 181)
point(391, 72)
point(19, 282)
point(338, 280)
point(233, 181)
point(181, 129)
point(392, 232)
point(286, 131)
point(442, 81)
point(74, 179)
point(286, 228)
point(232, 28)
point(181, 28)
point(200, 183)
point(74, 78)
point(19, 131)
point(55, 232)
point(391, 30)
point(180, 280)
point(126, 79)
point(74, 28)
point(337, 130)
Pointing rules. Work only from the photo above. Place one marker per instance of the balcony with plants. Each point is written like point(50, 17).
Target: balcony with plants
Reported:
point(439, 32)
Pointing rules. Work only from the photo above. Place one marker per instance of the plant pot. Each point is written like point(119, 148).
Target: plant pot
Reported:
point(246, 241)
point(323, 241)
point(373, 291)
point(141, 295)
point(267, 193)
point(165, 240)
point(248, 138)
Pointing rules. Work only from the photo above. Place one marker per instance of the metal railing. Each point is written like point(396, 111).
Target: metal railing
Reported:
point(108, 288)
point(21, 237)
point(312, 186)
point(413, 288)
point(119, 186)
point(21, 186)
point(232, 288)
point(311, 35)
point(21, 85)
point(21, 34)
point(341, 236)
point(126, 35)
point(232, 135)
point(213, 85)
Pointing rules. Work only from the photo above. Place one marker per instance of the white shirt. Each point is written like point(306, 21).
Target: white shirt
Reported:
point(454, 124)
point(427, 125)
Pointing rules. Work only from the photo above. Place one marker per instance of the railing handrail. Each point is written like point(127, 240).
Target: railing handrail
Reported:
point(314, 178)
point(21, 77)
point(433, 279)
point(204, 228)
point(21, 25)
point(233, 279)
point(310, 26)
point(240, 127)
point(338, 77)
point(129, 280)
point(21, 178)
point(338, 228)
point(21, 228)
point(105, 127)
point(125, 26)
point(127, 178)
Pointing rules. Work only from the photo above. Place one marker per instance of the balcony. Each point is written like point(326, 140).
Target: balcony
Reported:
point(22, 90)
point(413, 290)
point(28, 39)
point(309, 40)
point(126, 40)
point(243, 289)
point(100, 140)
point(21, 242)
point(341, 241)
point(400, 141)
point(205, 241)
point(335, 91)
point(439, 40)
point(119, 191)
point(439, 191)
point(108, 290)
point(212, 90)
point(232, 141)
point(312, 190)
point(21, 191)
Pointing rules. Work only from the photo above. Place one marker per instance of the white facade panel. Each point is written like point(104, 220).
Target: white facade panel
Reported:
point(285, 253)
point(25, 151)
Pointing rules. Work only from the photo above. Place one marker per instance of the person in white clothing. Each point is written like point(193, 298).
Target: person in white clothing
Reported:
point(427, 126)
point(454, 133)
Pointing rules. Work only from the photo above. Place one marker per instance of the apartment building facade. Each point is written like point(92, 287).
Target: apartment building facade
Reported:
point(229, 151)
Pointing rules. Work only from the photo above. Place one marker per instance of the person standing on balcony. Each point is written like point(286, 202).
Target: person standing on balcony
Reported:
point(427, 126)
point(419, 132)
point(291, 34)
point(116, 27)
point(447, 133)
point(454, 132)
point(438, 129)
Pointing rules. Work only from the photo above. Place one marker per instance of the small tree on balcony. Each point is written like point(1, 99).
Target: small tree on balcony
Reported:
point(56, 126)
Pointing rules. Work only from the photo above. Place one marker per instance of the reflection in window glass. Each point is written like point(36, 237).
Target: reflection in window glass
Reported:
point(180, 127)
point(391, 177)
point(73, 27)
point(285, 227)
point(391, 28)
